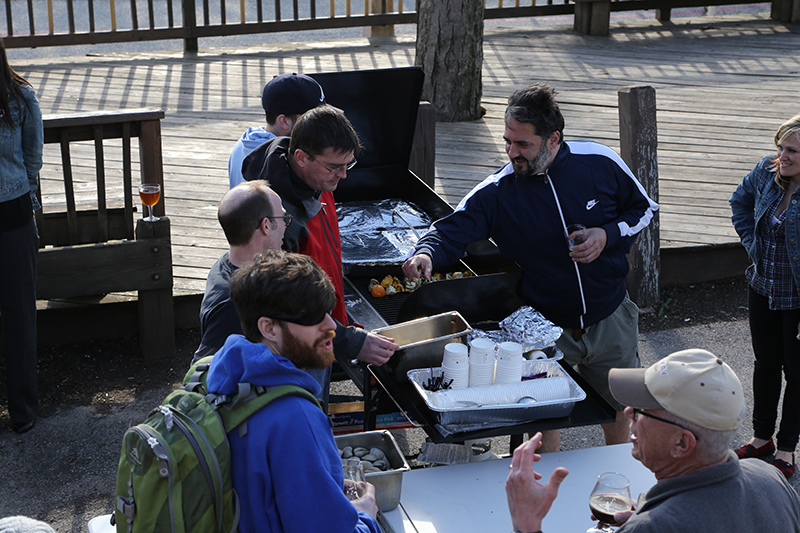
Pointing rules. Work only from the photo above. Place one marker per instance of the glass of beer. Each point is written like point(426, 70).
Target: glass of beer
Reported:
point(354, 480)
point(150, 193)
point(611, 494)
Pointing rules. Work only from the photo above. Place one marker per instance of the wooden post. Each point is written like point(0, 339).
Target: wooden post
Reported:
point(638, 141)
point(151, 161)
point(380, 6)
point(423, 149)
point(156, 312)
point(663, 14)
point(592, 17)
point(189, 26)
point(786, 11)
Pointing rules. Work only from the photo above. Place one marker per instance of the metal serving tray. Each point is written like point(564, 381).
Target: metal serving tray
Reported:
point(422, 341)
point(492, 415)
point(388, 484)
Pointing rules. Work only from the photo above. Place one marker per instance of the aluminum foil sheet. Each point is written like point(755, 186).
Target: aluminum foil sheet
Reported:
point(528, 327)
point(378, 233)
point(532, 329)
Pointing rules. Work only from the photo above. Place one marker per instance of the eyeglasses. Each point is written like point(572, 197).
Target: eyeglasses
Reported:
point(335, 170)
point(637, 412)
point(287, 218)
point(303, 319)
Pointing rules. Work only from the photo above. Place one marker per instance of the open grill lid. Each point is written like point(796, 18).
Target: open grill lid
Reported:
point(382, 106)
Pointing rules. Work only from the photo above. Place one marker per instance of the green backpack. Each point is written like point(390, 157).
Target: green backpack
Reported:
point(175, 468)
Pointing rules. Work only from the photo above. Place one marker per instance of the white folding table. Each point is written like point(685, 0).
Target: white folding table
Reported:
point(472, 498)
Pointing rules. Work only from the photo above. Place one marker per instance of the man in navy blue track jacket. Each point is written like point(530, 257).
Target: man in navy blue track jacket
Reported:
point(526, 207)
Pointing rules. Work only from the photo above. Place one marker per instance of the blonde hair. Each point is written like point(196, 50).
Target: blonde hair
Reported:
point(791, 126)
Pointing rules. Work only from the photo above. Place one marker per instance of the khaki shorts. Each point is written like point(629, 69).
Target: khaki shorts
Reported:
point(611, 343)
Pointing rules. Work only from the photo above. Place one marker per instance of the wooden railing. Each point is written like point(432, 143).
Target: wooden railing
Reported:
point(89, 247)
point(74, 22)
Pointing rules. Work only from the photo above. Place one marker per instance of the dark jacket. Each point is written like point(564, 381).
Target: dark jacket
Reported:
point(314, 230)
point(587, 183)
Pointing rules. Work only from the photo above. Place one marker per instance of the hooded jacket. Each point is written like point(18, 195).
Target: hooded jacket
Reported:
point(314, 230)
point(286, 468)
point(251, 139)
point(587, 183)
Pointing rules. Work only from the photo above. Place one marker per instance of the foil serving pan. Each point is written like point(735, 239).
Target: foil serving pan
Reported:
point(459, 418)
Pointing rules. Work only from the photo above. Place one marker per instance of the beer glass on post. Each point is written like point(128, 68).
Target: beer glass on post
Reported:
point(150, 193)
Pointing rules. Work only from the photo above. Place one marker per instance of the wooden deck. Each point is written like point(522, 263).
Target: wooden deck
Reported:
point(723, 85)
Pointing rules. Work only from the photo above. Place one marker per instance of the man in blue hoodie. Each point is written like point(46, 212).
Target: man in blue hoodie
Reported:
point(286, 467)
point(284, 99)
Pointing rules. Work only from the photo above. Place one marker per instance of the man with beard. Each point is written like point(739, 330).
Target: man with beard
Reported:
point(526, 208)
point(286, 468)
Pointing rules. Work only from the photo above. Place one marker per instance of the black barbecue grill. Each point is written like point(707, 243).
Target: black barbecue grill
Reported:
point(382, 106)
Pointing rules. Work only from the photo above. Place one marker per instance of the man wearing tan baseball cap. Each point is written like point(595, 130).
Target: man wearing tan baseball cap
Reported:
point(684, 412)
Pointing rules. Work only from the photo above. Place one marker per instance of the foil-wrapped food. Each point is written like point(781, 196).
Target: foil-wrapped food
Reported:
point(530, 328)
point(526, 326)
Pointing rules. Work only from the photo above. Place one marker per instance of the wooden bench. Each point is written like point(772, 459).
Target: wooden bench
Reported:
point(89, 244)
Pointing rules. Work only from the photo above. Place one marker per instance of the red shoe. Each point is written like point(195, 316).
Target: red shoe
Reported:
point(786, 469)
point(748, 451)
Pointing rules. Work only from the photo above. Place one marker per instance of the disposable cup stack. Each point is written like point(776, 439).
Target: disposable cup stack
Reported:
point(481, 362)
point(455, 365)
point(540, 390)
point(509, 363)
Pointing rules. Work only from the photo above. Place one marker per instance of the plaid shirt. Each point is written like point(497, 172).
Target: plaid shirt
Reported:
point(775, 281)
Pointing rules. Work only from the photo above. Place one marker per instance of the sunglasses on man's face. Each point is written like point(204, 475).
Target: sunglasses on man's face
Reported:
point(302, 319)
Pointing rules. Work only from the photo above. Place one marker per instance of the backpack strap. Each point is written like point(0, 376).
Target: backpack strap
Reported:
point(195, 378)
point(250, 399)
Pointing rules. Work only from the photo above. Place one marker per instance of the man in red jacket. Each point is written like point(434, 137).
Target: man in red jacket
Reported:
point(305, 170)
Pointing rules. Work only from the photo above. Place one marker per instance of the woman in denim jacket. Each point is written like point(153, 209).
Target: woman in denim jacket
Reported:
point(21, 137)
point(766, 215)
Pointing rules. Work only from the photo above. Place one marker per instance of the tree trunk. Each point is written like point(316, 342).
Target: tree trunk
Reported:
point(450, 51)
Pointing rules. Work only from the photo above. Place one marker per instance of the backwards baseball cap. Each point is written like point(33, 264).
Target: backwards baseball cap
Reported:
point(291, 94)
point(694, 385)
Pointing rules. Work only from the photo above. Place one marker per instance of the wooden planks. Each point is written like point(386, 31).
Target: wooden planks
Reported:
point(723, 85)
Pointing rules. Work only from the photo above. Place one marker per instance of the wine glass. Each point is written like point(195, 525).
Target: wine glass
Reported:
point(354, 479)
point(611, 494)
point(150, 193)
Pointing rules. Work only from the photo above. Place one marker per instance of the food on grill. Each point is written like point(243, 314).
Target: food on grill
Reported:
point(390, 285)
point(377, 291)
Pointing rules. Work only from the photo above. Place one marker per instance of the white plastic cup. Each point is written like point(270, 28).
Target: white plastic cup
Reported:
point(508, 371)
point(454, 353)
point(509, 350)
point(481, 374)
point(458, 372)
point(481, 351)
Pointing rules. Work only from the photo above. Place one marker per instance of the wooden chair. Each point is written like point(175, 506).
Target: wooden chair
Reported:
point(88, 248)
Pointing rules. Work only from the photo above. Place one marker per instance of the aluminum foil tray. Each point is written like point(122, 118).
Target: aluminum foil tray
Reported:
point(460, 418)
